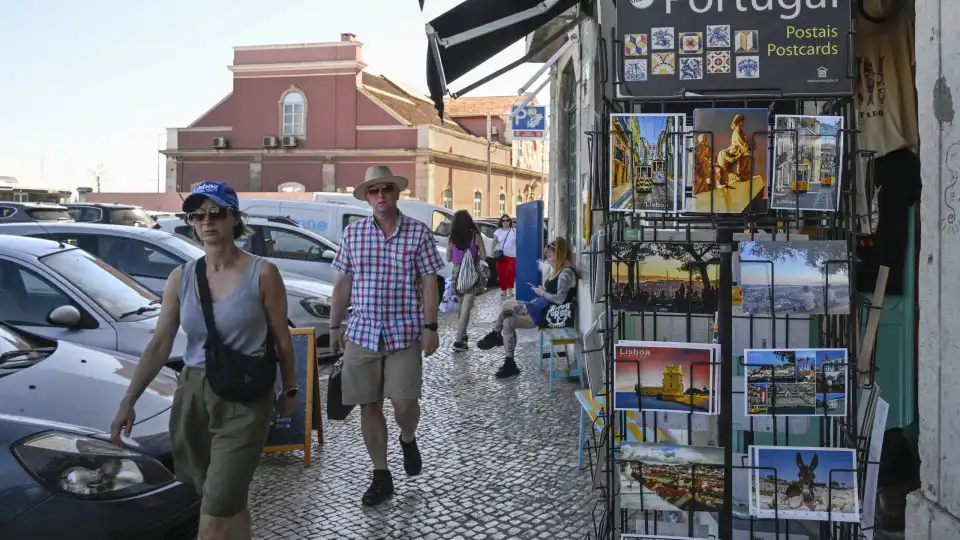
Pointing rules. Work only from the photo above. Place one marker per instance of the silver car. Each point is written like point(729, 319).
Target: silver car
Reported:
point(149, 255)
point(62, 292)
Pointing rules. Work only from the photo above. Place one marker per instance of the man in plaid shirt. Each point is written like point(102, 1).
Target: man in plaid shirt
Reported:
point(387, 266)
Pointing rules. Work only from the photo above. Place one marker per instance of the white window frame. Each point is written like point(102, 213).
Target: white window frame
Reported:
point(293, 113)
point(477, 203)
point(503, 203)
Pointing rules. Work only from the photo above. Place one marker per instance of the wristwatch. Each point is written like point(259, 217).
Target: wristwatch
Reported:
point(431, 326)
point(291, 392)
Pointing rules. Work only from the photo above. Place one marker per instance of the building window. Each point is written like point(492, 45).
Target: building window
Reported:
point(291, 187)
point(293, 113)
point(448, 197)
point(568, 114)
point(503, 203)
point(477, 203)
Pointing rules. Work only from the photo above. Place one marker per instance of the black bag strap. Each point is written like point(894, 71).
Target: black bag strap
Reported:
point(206, 300)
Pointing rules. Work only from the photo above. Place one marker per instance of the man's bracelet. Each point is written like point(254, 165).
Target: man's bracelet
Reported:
point(333, 328)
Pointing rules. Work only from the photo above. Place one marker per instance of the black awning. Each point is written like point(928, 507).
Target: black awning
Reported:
point(459, 59)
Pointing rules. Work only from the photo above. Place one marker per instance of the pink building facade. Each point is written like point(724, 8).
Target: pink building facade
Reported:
point(308, 117)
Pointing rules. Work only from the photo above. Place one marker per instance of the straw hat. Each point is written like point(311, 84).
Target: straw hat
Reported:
point(378, 175)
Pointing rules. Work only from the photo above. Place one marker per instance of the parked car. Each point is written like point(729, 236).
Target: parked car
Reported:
point(11, 212)
point(291, 247)
point(62, 292)
point(59, 474)
point(149, 255)
point(110, 213)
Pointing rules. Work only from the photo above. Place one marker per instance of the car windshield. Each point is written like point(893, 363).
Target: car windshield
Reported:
point(187, 247)
point(111, 289)
point(11, 340)
point(48, 214)
point(131, 216)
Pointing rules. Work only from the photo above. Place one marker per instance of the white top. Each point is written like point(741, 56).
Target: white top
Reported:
point(507, 241)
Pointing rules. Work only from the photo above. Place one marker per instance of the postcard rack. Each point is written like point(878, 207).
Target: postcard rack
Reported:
point(630, 235)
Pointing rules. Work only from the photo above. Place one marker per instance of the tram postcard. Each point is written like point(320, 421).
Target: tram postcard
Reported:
point(671, 478)
point(818, 484)
point(795, 382)
point(728, 164)
point(793, 277)
point(665, 376)
point(646, 162)
point(666, 277)
point(806, 170)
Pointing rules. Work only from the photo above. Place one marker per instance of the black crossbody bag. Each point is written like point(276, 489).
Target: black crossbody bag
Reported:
point(233, 376)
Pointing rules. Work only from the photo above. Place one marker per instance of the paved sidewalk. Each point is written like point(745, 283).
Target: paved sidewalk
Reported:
point(500, 460)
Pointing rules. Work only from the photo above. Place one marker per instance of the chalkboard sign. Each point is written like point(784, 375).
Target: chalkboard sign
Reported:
point(294, 432)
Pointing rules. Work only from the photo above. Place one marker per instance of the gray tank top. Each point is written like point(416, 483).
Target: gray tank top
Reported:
point(240, 318)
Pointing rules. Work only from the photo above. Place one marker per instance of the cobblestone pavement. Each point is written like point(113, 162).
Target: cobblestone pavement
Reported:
point(500, 459)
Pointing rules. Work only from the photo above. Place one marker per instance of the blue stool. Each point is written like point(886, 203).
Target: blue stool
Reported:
point(561, 337)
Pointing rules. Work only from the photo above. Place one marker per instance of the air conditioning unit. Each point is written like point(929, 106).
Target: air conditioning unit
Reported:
point(220, 143)
point(270, 142)
point(290, 142)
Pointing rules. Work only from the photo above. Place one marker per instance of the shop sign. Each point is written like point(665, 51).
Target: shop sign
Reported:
point(528, 122)
point(789, 47)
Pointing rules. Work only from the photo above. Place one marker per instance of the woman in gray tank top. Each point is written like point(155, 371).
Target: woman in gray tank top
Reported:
point(217, 443)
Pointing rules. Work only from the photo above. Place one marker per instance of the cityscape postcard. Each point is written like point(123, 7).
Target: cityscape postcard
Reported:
point(646, 164)
point(795, 382)
point(804, 277)
point(806, 172)
point(666, 277)
point(671, 478)
point(665, 376)
point(728, 164)
point(818, 484)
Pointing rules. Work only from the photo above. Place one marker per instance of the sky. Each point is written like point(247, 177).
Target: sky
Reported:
point(785, 461)
point(94, 85)
point(792, 271)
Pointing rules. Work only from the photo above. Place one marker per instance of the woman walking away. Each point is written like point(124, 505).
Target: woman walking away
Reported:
point(560, 289)
point(505, 253)
point(464, 238)
point(233, 308)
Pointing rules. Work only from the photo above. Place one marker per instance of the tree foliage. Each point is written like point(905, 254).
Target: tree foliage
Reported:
point(691, 257)
point(822, 255)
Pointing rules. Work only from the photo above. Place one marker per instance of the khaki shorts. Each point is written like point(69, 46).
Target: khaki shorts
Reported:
point(217, 443)
point(370, 376)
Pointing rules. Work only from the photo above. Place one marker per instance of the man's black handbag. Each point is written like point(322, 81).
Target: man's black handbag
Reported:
point(233, 376)
point(336, 410)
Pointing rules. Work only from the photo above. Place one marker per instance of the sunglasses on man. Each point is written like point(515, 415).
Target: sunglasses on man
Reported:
point(386, 189)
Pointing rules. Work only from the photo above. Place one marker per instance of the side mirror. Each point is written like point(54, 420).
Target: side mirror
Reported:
point(328, 255)
point(67, 316)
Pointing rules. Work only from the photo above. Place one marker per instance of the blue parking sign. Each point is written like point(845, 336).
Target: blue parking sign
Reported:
point(529, 122)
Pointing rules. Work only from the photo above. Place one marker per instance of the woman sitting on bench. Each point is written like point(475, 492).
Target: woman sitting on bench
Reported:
point(559, 293)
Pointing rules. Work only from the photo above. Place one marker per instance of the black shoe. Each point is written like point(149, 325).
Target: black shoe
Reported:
point(508, 369)
point(489, 341)
point(380, 488)
point(412, 462)
point(460, 346)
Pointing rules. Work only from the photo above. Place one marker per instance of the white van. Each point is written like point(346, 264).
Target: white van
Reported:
point(438, 218)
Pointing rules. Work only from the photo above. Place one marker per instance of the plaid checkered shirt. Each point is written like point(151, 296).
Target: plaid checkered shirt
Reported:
point(386, 297)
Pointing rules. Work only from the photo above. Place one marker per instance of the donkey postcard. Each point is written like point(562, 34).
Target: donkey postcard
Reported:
point(818, 484)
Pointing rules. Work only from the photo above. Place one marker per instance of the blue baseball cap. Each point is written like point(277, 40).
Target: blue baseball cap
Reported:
point(218, 192)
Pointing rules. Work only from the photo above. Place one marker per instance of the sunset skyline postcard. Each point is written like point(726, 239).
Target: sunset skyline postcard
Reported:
point(675, 377)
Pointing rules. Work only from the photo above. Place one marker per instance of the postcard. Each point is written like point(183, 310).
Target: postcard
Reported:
point(806, 171)
point(808, 277)
point(795, 382)
point(665, 376)
point(728, 163)
point(657, 537)
point(671, 478)
point(666, 277)
point(646, 162)
point(818, 484)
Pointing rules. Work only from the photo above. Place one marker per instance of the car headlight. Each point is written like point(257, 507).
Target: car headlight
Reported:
point(88, 468)
point(318, 306)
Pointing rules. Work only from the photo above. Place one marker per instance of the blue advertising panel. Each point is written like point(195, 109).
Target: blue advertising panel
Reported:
point(528, 122)
point(294, 432)
point(529, 247)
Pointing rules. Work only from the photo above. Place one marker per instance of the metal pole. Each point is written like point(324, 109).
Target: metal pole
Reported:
point(489, 163)
point(158, 162)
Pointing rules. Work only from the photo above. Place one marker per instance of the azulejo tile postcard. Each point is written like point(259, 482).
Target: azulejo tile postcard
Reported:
point(718, 36)
point(663, 38)
point(635, 45)
point(663, 63)
point(646, 153)
point(807, 174)
point(748, 67)
point(746, 41)
point(691, 42)
point(718, 62)
point(635, 69)
point(691, 68)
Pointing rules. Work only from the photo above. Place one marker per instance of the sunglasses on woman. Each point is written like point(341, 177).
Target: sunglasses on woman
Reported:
point(214, 214)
